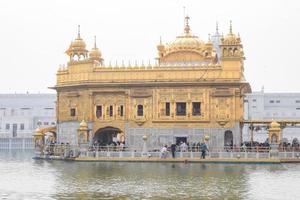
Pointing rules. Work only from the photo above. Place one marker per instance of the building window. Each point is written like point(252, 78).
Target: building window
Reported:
point(196, 109)
point(140, 110)
point(98, 111)
point(167, 108)
point(297, 101)
point(73, 112)
point(121, 110)
point(22, 127)
point(7, 126)
point(46, 123)
point(254, 100)
point(277, 101)
point(271, 101)
point(52, 123)
point(297, 108)
point(111, 111)
point(181, 109)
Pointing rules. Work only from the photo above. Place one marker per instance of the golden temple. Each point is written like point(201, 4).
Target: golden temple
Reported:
point(194, 90)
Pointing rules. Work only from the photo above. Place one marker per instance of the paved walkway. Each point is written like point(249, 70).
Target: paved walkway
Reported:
point(186, 160)
point(274, 160)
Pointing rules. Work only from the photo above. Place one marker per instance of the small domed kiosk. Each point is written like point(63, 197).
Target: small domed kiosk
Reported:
point(83, 133)
point(274, 132)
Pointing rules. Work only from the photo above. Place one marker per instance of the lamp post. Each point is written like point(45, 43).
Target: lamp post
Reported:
point(145, 150)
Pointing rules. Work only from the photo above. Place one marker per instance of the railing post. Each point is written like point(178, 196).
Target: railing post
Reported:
point(9, 143)
point(293, 153)
point(285, 154)
point(23, 143)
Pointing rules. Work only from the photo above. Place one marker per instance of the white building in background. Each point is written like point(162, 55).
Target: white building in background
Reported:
point(21, 114)
point(268, 106)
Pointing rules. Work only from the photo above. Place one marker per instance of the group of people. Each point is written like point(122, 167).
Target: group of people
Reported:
point(182, 147)
point(115, 146)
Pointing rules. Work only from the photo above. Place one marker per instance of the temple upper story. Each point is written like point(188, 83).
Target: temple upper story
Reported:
point(187, 58)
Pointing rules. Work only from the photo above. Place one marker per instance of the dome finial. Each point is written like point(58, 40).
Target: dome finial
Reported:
point(95, 42)
point(160, 42)
point(78, 31)
point(230, 27)
point(217, 28)
point(187, 26)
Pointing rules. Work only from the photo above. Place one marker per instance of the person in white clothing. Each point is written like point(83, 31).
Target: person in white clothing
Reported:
point(164, 152)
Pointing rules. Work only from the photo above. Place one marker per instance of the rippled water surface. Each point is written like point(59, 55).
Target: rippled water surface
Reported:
point(24, 178)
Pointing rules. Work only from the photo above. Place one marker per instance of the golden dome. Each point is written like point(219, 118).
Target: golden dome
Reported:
point(83, 124)
point(78, 44)
point(187, 41)
point(274, 124)
point(95, 53)
point(38, 132)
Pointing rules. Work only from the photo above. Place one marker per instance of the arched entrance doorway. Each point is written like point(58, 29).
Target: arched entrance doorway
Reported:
point(105, 136)
point(228, 139)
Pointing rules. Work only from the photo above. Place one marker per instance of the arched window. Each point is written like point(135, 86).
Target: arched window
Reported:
point(98, 111)
point(230, 52)
point(75, 57)
point(235, 52)
point(81, 57)
point(111, 111)
point(225, 52)
point(140, 110)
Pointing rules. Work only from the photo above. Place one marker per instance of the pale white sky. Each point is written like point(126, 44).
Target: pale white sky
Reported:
point(34, 35)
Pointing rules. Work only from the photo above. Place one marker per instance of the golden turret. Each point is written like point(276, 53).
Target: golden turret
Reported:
point(231, 38)
point(95, 53)
point(77, 49)
point(231, 46)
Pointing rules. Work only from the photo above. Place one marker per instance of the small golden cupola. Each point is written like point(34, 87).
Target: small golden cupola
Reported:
point(231, 46)
point(77, 49)
point(95, 53)
point(187, 49)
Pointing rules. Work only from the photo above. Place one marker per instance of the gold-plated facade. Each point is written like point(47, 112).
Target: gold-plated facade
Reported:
point(196, 88)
